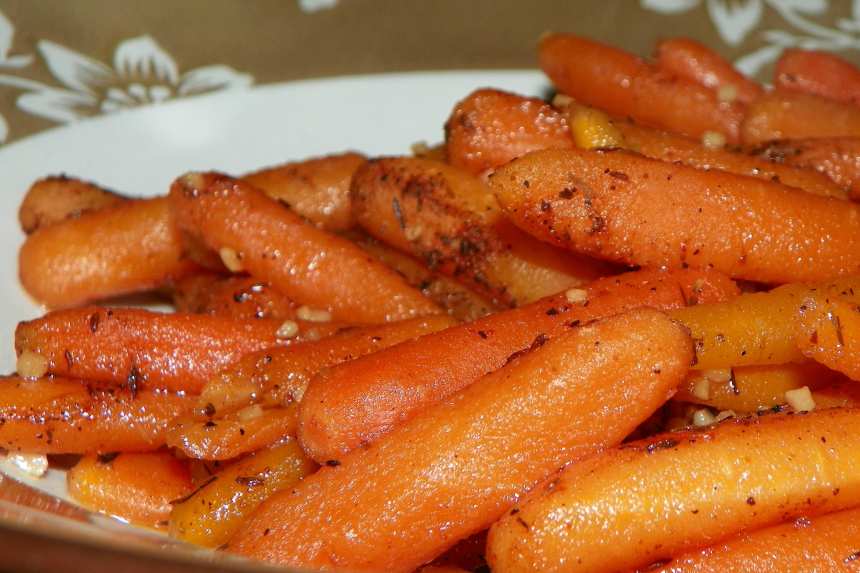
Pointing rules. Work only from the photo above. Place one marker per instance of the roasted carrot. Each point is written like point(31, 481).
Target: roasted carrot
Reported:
point(838, 158)
point(456, 467)
point(358, 401)
point(317, 189)
point(235, 297)
point(828, 331)
point(696, 62)
point(631, 209)
point(143, 349)
point(136, 487)
point(622, 84)
point(449, 219)
point(818, 73)
point(783, 115)
point(54, 199)
point(490, 127)
point(60, 416)
point(804, 545)
point(277, 246)
point(649, 500)
point(216, 510)
point(279, 376)
point(129, 247)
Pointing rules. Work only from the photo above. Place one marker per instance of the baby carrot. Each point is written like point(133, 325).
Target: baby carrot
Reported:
point(52, 200)
point(786, 115)
point(818, 73)
point(234, 297)
point(358, 401)
point(828, 331)
point(630, 209)
point(622, 84)
point(294, 257)
point(456, 467)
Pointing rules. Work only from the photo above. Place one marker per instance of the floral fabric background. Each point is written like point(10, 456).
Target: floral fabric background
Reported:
point(62, 61)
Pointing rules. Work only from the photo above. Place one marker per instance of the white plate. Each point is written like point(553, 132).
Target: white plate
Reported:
point(142, 150)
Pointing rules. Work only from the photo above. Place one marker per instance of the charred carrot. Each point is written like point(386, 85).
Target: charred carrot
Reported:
point(456, 467)
point(694, 61)
point(490, 127)
point(622, 84)
point(630, 209)
point(55, 199)
point(136, 487)
point(358, 401)
point(234, 297)
point(60, 416)
point(784, 115)
point(649, 500)
point(299, 260)
point(818, 73)
point(143, 349)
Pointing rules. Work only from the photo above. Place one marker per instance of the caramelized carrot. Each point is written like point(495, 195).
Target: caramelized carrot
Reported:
point(294, 257)
point(624, 85)
point(130, 247)
point(630, 209)
point(456, 467)
point(52, 200)
point(234, 297)
point(358, 401)
point(60, 416)
point(696, 62)
point(136, 487)
point(828, 331)
point(490, 127)
point(649, 500)
point(317, 189)
point(781, 115)
point(142, 349)
point(818, 73)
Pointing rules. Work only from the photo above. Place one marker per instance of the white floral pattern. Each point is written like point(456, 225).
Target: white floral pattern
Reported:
point(735, 20)
point(316, 5)
point(8, 61)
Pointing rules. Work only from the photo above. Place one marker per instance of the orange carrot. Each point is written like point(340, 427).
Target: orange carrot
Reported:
point(130, 247)
point(828, 331)
point(818, 73)
point(649, 500)
point(358, 401)
point(694, 61)
point(60, 416)
point(299, 260)
point(52, 200)
point(624, 85)
point(235, 297)
point(135, 487)
point(630, 209)
point(782, 115)
point(491, 127)
point(143, 349)
point(456, 467)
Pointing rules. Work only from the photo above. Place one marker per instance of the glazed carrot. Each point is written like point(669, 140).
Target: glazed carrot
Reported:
point(818, 73)
point(649, 500)
point(781, 115)
point(622, 84)
point(279, 376)
point(234, 297)
point(467, 554)
point(142, 349)
point(136, 487)
point(442, 569)
point(696, 62)
point(456, 467)
point(130, 247)
point(294, 257)
point(317, 189)
point(234, 434)
point(490, 127)
point(214, 512)
point(60, 416)
point(844, 393)
point(630, 209)
point(805, 545)
point(838, 158)
point(52, 200)
point(449, 219)
point(828, 331)
point(358, 401)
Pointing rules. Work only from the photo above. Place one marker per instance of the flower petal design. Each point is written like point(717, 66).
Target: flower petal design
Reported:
point(316, 5)
point(212, 78)
point(57, 105)
point(7, 31)
point(735, 19)
point(139, 58)
point(803, 6)
point(74, 70)
point(751, 63)
point(669, 6)
point(4, 129)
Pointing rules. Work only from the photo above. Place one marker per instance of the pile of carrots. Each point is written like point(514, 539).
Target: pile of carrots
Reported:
point(617, 331)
